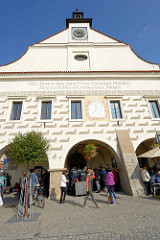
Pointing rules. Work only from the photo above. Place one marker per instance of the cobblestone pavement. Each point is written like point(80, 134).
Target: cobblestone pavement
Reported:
point(135, 218)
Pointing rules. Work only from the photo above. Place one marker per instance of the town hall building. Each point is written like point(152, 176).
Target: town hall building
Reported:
point(82, 86)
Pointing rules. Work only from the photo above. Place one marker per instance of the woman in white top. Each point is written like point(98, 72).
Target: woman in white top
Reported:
point(63, 187)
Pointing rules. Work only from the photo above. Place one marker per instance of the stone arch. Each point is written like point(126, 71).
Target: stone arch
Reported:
point(14, 169)
point(142, 139)
point(143, 147)
point(105, 153)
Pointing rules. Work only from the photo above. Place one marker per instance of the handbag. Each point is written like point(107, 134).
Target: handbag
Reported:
point(1, 201)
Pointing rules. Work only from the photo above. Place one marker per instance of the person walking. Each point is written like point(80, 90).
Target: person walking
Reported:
point(89, 187)
point(74, 175)
point(110, 185)
point(63, 187)
point(103, 178)
point(146, 179)
point(33, 181)
point(8, 185)
point(97, 180)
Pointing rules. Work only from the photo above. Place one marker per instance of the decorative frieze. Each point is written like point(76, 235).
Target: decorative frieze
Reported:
point(83, 93)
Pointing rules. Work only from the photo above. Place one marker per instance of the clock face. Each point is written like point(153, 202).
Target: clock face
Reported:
point(79, 33)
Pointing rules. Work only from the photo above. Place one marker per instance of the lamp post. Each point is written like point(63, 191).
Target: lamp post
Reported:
point(158, 137)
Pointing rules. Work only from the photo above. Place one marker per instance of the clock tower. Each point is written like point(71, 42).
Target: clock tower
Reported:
point(78, 18)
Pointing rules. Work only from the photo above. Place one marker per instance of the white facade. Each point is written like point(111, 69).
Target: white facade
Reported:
point(111, 72)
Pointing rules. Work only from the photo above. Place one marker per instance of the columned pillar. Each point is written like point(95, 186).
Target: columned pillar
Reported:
point(130, 175)
point(55, 175)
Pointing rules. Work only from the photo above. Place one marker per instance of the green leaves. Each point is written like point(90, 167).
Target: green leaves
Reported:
point(29, 148)
point(90, 151)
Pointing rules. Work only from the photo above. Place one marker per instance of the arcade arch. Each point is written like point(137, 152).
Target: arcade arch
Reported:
point(144, 147)
point(14, 169)
point(106, 155)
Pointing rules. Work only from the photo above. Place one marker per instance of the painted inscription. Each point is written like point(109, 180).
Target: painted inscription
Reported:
point(84, 85)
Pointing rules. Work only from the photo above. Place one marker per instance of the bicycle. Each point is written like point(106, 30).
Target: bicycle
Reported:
point(38, 197)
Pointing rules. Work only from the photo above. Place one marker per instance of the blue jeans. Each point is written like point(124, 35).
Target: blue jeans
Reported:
point(112, 193)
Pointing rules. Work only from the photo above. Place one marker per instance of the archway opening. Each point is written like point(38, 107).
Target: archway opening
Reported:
point(15, 170)
point(106, 158)
point(77, 160)
point(144, 147)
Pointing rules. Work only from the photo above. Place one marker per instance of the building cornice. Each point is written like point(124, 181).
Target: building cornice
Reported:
point(140, 74)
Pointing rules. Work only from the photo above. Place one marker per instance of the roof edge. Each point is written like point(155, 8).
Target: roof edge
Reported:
point(116, 71)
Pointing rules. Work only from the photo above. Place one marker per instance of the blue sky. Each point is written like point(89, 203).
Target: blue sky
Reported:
point(25, 22)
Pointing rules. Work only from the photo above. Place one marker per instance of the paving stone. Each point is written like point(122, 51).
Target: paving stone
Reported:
point(128, 221)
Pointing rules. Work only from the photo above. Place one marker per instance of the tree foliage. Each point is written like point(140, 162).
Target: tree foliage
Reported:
point(29, 148)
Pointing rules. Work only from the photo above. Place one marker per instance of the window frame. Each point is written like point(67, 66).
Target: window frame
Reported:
point(158, 105)
point(47, 102)
point(13, 100)
point(18, 112)
point(121, 109)
point(76, 99)
point(41, 100)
